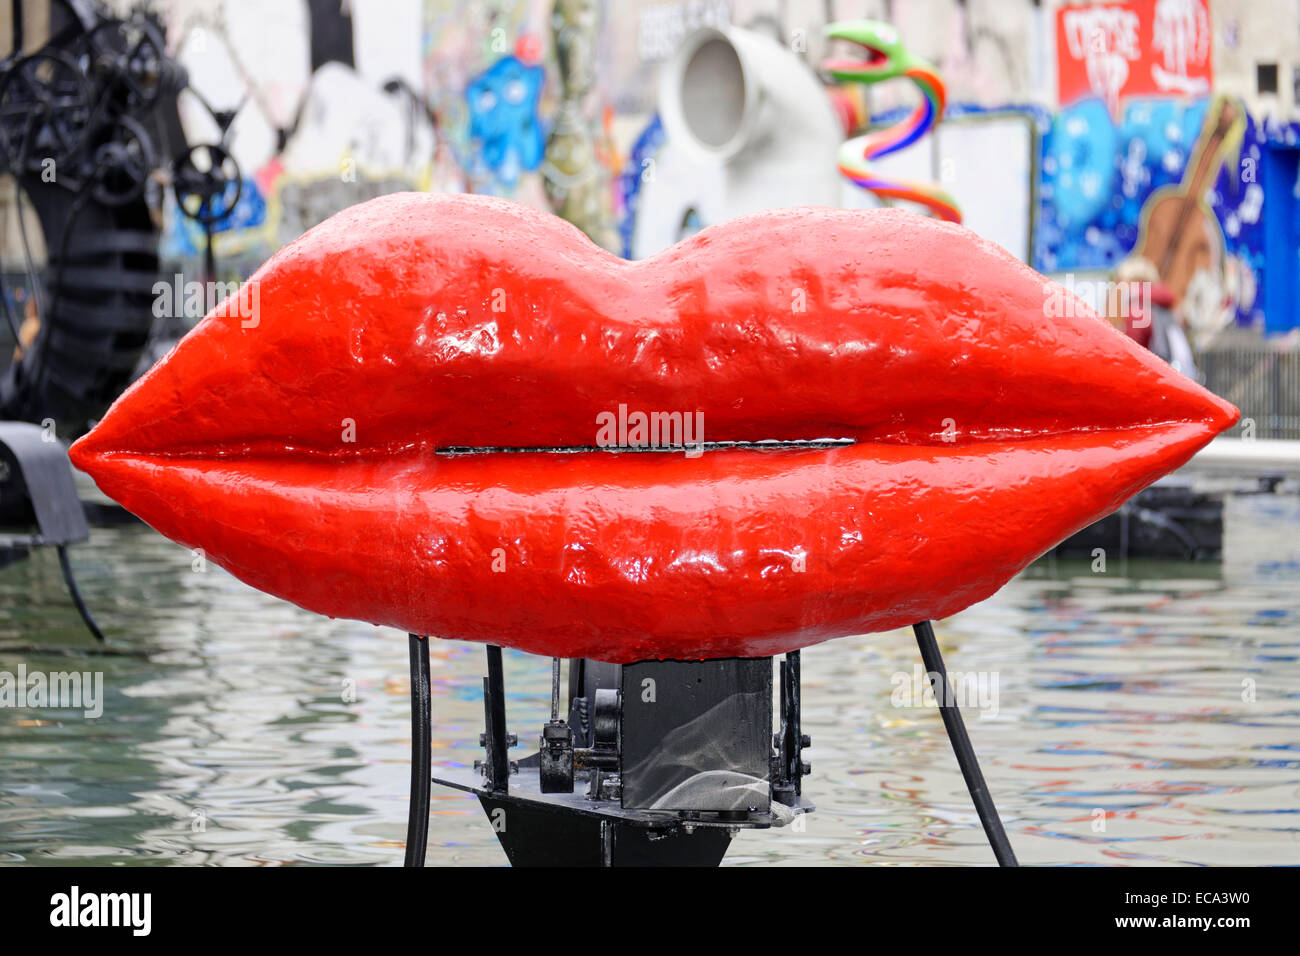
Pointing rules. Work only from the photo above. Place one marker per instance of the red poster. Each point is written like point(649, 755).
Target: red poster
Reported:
point(1133, 48)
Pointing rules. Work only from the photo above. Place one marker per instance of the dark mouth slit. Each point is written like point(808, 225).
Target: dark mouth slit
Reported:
point(773, 444)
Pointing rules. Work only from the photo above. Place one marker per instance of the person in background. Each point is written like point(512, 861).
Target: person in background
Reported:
point(1147, 313)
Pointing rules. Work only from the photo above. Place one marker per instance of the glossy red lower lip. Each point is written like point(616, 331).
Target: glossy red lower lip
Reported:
point(983, 431)
point(620, 557)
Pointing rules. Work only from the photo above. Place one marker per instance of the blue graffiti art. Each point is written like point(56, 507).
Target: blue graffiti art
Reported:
point(634, 175)
point(1097, 174)
point(185, 236)
point(503, 117)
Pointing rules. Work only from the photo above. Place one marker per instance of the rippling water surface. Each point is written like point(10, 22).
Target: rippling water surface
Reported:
point(1146, 715)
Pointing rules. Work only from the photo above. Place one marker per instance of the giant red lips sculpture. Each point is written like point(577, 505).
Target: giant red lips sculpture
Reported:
point(401, 418)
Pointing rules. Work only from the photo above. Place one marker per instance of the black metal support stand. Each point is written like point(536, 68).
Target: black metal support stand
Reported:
point(553, 821)
point(77, 600)
point(417, 823)
point(787, 779)
point(961, 745)
point(497, 739)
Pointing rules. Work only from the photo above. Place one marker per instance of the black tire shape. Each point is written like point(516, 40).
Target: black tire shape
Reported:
point(98, 309)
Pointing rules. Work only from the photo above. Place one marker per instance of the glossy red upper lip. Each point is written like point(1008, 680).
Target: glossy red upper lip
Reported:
point(986, 426)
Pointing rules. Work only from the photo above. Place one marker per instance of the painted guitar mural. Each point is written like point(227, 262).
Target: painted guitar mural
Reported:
point(1179, 232)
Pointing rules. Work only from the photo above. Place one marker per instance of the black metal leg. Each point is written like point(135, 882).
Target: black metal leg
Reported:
point(417, 823)
point(66, 566)
point(496, 739)
point(787, 784)
point(961, 745)
point(606, 843)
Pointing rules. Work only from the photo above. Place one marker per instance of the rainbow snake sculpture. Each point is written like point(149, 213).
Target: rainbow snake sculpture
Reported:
point(456, 416)
point(887, 59)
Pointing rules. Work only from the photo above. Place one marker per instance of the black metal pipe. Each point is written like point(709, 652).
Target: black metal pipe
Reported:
point(494, 688)
point(606, 843)
point(71, 581)
point(961, 745)
point(555, 689)
point(794, 727)
point(585, 758)
point(417, 823)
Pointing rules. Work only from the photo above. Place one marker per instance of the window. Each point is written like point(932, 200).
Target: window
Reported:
point(1266, 77)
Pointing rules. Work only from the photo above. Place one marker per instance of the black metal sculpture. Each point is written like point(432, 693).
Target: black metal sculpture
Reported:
point(90, 132)
point(678, 757)
point(80, 120)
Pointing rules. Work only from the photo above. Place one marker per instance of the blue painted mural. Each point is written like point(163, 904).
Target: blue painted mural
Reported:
point(1098, 174)
point(185, 238)
point(633, 175)
point(503, 104)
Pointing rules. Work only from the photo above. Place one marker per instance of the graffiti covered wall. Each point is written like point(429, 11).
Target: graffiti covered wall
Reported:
point(1141, 159)
point(1077, 135)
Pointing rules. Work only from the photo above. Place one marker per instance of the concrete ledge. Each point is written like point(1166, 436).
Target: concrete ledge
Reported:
point(1239, 457)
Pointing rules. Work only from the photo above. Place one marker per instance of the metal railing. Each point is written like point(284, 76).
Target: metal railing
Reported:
point(1260, 378)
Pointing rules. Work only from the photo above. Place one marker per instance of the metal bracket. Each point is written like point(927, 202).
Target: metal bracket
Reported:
point(789, 766)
